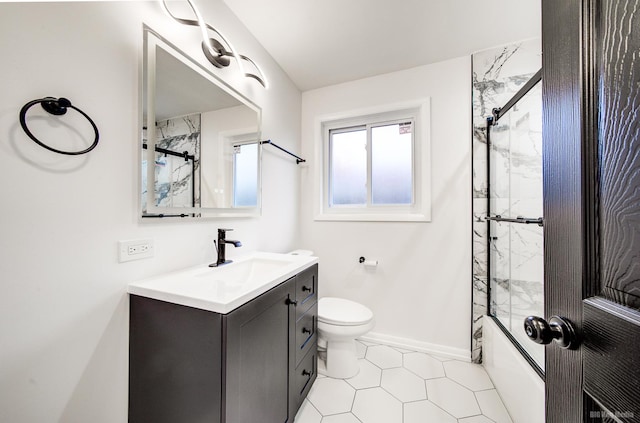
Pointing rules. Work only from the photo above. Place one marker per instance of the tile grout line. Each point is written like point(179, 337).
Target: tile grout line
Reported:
point(425, 380)
point(436, 405)
point(316, 408)
point(480, 408)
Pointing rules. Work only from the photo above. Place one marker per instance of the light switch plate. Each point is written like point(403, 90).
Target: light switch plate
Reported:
point(134, 249)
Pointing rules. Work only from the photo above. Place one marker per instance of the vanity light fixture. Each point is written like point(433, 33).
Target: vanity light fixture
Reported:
point(214, 50)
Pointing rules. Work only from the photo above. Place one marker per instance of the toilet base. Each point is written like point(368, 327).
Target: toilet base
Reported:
point(341, 360)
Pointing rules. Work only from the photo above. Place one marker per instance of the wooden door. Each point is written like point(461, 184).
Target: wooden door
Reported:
point(591, 161)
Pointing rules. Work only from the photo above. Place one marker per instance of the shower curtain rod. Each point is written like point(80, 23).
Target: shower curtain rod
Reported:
point(498, 112)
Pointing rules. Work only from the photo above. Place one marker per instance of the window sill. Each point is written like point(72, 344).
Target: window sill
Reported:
point(370, 217)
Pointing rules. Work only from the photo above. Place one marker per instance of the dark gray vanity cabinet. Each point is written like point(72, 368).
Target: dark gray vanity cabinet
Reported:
point(254, 364)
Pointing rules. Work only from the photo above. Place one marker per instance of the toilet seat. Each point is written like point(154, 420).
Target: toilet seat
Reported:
point(342, 312)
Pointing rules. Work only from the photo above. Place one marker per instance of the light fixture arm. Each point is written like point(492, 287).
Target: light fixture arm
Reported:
point(215, 51)
point(247, 74)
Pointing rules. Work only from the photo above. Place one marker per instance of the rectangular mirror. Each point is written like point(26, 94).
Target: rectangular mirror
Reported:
point(200, 145)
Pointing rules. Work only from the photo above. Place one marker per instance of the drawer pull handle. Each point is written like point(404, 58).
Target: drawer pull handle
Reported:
point(305, 330)
point(306, 288)
point(291, 302)
point(306, 373)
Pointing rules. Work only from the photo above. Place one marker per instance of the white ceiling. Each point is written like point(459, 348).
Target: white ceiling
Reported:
point(325, 42)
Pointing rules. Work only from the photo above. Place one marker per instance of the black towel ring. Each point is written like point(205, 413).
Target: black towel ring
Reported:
point(58, 107)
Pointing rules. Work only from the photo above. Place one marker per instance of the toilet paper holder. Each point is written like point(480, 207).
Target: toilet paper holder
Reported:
point(368, 263)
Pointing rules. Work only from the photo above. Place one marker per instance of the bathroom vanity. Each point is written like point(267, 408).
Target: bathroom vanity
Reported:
point(198, 354)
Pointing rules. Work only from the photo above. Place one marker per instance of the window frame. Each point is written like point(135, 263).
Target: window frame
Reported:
point(419, 210)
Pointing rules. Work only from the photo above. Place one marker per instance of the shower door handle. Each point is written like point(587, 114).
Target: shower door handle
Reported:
point(557, 329)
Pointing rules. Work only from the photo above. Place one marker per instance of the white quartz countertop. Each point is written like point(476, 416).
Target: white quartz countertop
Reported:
point(225, 288)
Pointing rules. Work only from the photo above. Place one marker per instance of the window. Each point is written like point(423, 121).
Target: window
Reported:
point(245, 175)
point(388, 169)
point(374, 167)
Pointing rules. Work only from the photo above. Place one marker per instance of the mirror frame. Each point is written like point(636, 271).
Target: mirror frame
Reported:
point(151, 40)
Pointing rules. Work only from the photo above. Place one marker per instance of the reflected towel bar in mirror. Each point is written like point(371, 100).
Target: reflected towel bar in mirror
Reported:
point(298, 159)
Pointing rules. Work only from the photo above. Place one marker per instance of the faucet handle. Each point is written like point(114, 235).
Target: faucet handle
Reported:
point(224, 230)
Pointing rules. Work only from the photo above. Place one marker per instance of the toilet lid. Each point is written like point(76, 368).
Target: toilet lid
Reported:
point(341, 312)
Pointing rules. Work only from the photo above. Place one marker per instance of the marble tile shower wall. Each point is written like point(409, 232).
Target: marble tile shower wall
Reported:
point(497, 75)
point(178, 180)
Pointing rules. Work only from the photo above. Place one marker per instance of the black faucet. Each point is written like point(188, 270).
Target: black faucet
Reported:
point(220, 247)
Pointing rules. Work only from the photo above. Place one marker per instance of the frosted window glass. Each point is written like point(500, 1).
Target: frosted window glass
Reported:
point(245, 176)
point(391, 164)
point(348, 177)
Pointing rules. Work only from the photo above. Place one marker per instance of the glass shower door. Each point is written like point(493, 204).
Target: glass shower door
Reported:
point(515, 220)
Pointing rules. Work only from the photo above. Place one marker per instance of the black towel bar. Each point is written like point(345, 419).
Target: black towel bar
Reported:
point(298, 159)
point(527, 220)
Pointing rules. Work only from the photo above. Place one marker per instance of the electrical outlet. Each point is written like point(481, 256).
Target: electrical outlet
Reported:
point(135, 249)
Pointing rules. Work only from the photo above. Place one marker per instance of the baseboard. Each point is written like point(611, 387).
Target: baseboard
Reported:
point(420, 346)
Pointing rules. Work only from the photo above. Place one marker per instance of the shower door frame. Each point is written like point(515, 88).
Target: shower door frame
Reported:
point(497, 113)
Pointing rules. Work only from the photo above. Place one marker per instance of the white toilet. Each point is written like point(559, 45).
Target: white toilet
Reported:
point(340, 322)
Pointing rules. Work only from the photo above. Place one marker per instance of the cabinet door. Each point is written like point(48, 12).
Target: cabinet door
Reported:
point(258, 358)
point(175, 363)
point(306, 287)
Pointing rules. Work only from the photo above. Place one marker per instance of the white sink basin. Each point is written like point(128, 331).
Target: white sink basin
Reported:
point(247, 271)
point(225, 288)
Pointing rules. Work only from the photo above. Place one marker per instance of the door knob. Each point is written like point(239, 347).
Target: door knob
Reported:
point(557, 329)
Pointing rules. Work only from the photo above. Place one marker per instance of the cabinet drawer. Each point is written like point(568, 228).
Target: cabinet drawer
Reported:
point(306, 284)
point(306, 328)
point(305, 375)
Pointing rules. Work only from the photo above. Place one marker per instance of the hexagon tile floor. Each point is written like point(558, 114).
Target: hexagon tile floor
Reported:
point(400, 386)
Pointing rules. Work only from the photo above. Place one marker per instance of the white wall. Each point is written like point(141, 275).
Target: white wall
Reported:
point(421, 291)
point(63, 302)
point(217, 132)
